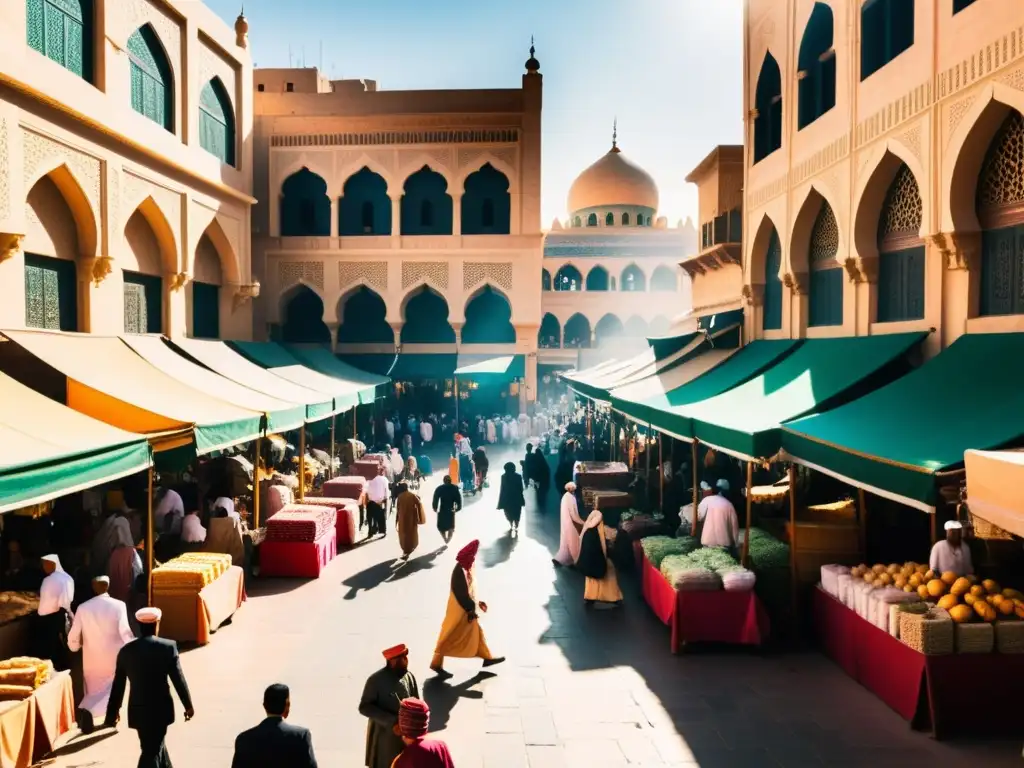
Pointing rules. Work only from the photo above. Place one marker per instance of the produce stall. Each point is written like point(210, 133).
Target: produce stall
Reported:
point(940, 650)
point(701, 593)
point(35, 711)
point(197, 592)
point(301, 541)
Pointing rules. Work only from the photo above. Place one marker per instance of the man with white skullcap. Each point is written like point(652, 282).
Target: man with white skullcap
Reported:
point(951, 554)
point(100, 630)
point(721, 525)
point(148, 663)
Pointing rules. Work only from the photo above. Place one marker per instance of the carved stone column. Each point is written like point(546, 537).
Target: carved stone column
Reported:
point(456, 214)
point(396, 219)
point(332, 328)
point(243, 293)
point(862, 270)
point(334, 216)
point(396, 327)
point(796, 282)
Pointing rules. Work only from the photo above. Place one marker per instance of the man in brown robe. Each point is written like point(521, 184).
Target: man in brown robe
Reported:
point(408, 518)
point(381, 700)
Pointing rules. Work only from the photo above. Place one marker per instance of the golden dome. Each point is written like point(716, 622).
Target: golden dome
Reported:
point(613, 180)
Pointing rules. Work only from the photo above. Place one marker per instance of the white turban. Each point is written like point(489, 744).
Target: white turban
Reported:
point(953, 525)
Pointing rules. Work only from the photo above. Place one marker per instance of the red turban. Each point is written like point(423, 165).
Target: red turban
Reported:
point(396, 651)
point(467, 555)
point(413, 718)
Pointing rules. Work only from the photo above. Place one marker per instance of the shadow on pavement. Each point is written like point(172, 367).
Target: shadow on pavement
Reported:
point(368, 578)
point(500, 550)
point(442, 697)
point(416, 564)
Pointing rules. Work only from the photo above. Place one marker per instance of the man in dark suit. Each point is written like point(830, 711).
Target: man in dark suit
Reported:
point(147, 663)
point(274, 742)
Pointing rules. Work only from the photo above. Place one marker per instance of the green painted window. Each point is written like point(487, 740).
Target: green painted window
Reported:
point(217, 121)
point(61, 30)
point(205, 311)
point(772, 314)
point(901, 285)
point(817, 61)
point(143, 303)
point(1002, 271)
point(51, 289)
point(152, 82)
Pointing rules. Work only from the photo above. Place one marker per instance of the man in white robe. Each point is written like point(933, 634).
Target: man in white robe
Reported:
point(570, 528)
point(721, 524)
point(55, 597)
point(952, 553)
point(100, 630)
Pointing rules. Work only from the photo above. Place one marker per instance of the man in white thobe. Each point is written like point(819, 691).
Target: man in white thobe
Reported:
point(56, 594)
point(426, 432)
point(721, 525)
point(100, 630)
point(951, 554)
point(169, 512)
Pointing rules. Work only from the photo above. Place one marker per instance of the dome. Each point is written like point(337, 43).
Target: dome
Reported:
point(613, 180)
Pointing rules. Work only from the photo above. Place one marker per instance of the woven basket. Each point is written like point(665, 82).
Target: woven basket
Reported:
point(894, 620)
point(975, 638)
point(983, 529)
point(1009, 636)
point(929, 633)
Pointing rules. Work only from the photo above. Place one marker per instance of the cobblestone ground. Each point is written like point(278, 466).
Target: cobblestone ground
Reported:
point(580, 688)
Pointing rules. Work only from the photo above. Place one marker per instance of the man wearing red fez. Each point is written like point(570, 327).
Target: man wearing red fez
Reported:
point(419, 752)
point(382, 695)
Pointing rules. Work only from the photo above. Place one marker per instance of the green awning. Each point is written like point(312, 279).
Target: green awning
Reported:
point(822, 373)
point(894, 441)
point(664, 411)
point(503, 367)
point(281, 362)
point(281, 415)
point(223, 360)
point(48, 450)
point(321, 359)
point(372, 362)
point(428, 366)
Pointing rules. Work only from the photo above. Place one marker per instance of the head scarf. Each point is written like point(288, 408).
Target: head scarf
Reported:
point(467, 555)
point(953, 525)
point(55, 560)
point(510, 468)
point(594, 520)
point(570, 487)
point(722, 485)
point(413, 718)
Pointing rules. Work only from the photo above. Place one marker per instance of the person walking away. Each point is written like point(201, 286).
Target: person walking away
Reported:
point(148, 663)
point(169, 511)
point(275, 742)
point(419, 752)
point(721, 525)
point(100, 630)
point(481, 463)
point(54, 616)
point(952, 553)
point(570, 530)
point(447, 501)
point(466, 476)
point(525, 464)
point(510, 496)
point(376, 504)
point(426, 432)
point(602, 585)
point(540, 473)
point(382, 694)
point(461, 636)
point(408, 519)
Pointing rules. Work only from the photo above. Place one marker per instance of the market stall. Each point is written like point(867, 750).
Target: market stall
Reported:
point(197, 592)
point(347, 512)
point(994, 483)
point(37, 711)
point(301, 541)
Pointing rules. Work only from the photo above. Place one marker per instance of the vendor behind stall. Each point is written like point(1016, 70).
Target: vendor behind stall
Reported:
point(721, 524)
point(951, 554)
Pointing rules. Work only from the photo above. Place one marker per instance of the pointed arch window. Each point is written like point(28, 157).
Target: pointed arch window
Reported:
point(366, 216)
point(577, 222)
point(426, 214)
point(152, 86)
point(826, 278)
point(900, 251)
point(592, 220)
point(768, 104)
point(625, 219)
point(217, 121)
point(609, 220)
point(61, 30)
point(817, 65)
point(1000, 207)
point(771, 318)
point(487, 212)
point(886, 31)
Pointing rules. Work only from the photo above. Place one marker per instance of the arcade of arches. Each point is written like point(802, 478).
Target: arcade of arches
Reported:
point(578, 333)
point(632, 279)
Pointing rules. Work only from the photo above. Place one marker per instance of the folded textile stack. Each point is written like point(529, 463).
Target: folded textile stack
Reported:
point(880, 602)
point(683, 575)
point(830, 578)
point(738, 579)
point(300, 523)
point(219, 561)
point(656, 548)
point(331, 501)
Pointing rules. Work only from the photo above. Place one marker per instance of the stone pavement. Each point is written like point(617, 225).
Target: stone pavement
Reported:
point(580, 688)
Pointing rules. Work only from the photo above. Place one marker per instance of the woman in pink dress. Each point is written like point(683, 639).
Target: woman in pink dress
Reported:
point(571, 526)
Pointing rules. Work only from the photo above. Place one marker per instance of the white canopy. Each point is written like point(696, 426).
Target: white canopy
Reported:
point(994, 482)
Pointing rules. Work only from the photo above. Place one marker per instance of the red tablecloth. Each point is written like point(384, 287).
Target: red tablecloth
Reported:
point(366, 468)
point(737, 618)
point(345, 487)
point(347, 513)
point(292, 559)
point(956, 692)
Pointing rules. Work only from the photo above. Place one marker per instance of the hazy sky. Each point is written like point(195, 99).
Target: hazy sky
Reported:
point(671, 70)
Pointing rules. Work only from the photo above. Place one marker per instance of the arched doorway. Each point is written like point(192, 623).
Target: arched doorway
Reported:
point(901, 251)
point(305, 207)
point(633, 279)
point(568, 278)
point(486, 203)
point(597, 279)
point(364, 319)
point(303, 318)
point(364, 208)
point(206, 285)
point(550, 334)
point(426, 204)
point(577, 332)
point(664, 279)
point(426, 319)
point(771, 317)
point(488, 319)
point(826, 273)
point(608, 327)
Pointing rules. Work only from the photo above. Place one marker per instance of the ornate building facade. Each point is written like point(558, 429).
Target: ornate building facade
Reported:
point(399, 221)
point(611, 272)
point(883, 176)
point(125, 168)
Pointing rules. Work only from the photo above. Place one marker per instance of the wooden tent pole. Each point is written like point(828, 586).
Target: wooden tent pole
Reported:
point(792, 540)
point(933, 525)
point(750, 507)
point(661, 475)
point(863, 515)
point(693, 461)
point(149, 541)
point(355, 422)
point(256, 484)
point(302, 463)
point(330, 470)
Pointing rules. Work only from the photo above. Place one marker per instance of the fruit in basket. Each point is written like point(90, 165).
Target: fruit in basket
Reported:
point(892, 569)
point(947, 601)
point(1013, 594)
point(909, 588)
point(922, 569)
point(985, 611)
point(1006, 608)
point(869, 576)
point(948, 578)
point(915, 580)
point(977, 590)
point(899, 580)
point(991, 586)
point(960, 587)
point(936, 587)
point(961, 614)
point(970, 599)
point(929, 575)
point(1019, 610)
point(923, 592)
point(878, 569)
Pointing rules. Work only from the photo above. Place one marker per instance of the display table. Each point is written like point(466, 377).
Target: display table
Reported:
point(366, 468)
point(347, 512)
point(191, 617)
point(606, 475)
point(737, 618)
point(952, 693)
point(29, 729)
point(345, 487)
point(298, 559)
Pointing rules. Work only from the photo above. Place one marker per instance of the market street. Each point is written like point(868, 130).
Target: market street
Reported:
point(580, 688)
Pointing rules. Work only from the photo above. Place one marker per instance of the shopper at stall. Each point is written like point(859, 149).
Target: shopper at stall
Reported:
point(113, 533)
point(148, 663)
point(414, 723)
point(100, 630)
point(274, 742)
point(54, 613)
point(510, 496)
point(377, 504)
point(461, 636)
point(466, 474)
point(952, 553)
point(447, 501)
point(602, 586)
point(380, 702)
point(169, 511)
point(192, 530)
point(408, 519)
point(571, 527)
point(720, 524)
point(120, 567)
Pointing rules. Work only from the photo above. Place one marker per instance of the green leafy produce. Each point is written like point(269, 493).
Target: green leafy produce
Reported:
point(657, 548)
point(682, 573)
point(712, 558)
point(766, 551)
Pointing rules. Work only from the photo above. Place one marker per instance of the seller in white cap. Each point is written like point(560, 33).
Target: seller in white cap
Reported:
point(55, 597)
point(721, 525)
point(952, 553)
point(148, 663)
point(100, 630)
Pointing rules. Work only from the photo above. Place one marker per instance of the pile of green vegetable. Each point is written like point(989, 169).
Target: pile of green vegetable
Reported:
point(657, 548)
point(766, 552)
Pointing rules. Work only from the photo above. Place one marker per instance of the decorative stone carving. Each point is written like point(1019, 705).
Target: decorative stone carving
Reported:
point(372, 273)
point(753, 294)
point(1001, 181)
point(476, 273)
point(245, 292)
point(912, 140)
point(1013, 78)
point(861, 270)
point(137, 189)
point(414, 272)
point(176, 280)
point(796, 282)
point(10, 244)
point(5, 172)
point(100, 268)
point(308, 272)
point(212, 64)
point(903, 209)
point(129, 15)
point(956, 114)
point(43, 152)
point(960, 250)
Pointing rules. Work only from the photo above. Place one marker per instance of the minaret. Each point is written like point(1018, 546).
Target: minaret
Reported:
point(615, 136)
point(242, 30)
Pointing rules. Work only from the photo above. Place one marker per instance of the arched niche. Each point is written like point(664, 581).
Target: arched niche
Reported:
point(364, 208)
point(426, 204)
point(568, 278)
point(608, 327)
point(592, 220)
point(597, 279)
point(768, 103)
point(488, 319)
point(305, 206)
point(303, 315)
point(625, 219)
point(576, 333)
point(635, 327)
point(149, 254)
point(633, 279)
point(425, 316)
point(664, 279)
point(550, 334)
point(205, 290)
point(545, 280)
point(899, 245)
point(771, 316)
point(364, 318)
point(817, 63)
point(486, 203)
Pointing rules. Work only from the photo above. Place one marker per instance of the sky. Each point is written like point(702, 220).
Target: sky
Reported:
point(669, 70)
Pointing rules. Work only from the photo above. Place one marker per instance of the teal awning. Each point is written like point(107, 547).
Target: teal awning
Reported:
point(427, 366)
point(372, 362)
point(745, 421)
point(321, 359)
point(48, 450)
point(281, 362)
point(504, 367)
point(895, 440)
